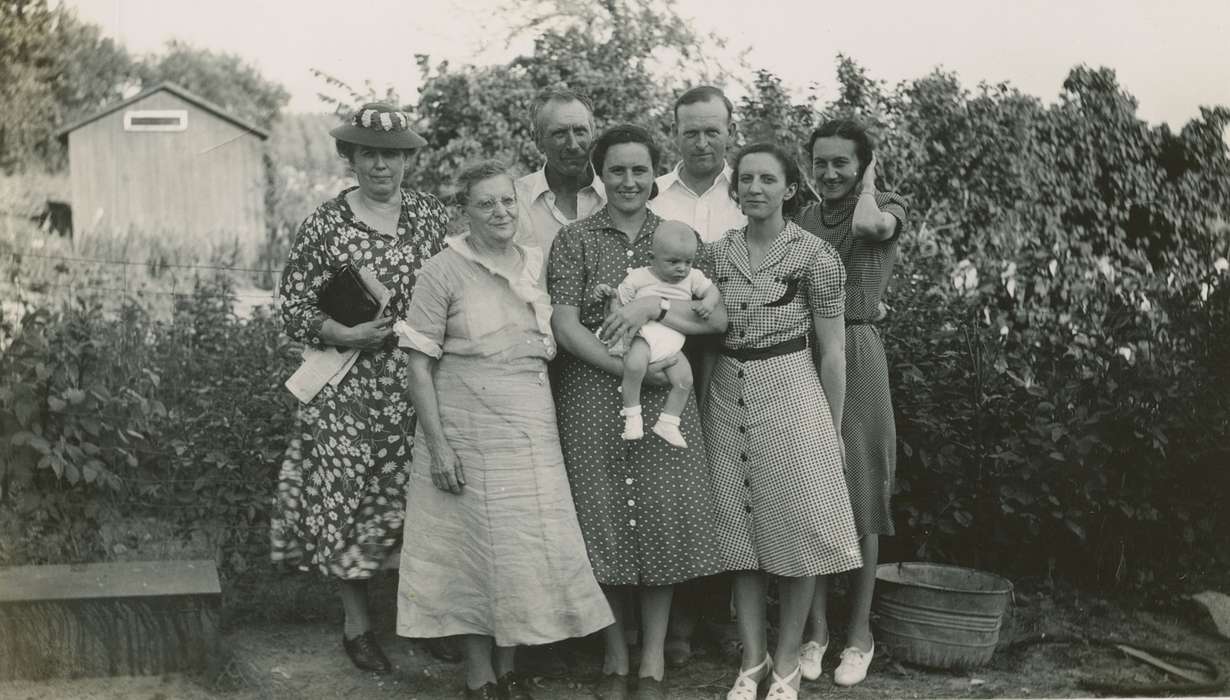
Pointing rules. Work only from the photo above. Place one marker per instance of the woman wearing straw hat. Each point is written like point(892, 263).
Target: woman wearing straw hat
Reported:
point(341, 490)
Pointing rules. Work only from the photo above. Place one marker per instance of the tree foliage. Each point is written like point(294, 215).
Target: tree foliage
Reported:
point(630, 57)
point(53, 68)
point(222, 78)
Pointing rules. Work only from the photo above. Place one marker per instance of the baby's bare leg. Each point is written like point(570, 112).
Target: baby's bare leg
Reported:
point(680, 375)
point(636, 363)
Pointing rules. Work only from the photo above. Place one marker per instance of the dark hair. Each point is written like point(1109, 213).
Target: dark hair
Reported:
point(794, 176)
point(475, 173)
point(556, 93)
point(848, 129)
point(626, 133)
point(346, 150)
point(703, 93)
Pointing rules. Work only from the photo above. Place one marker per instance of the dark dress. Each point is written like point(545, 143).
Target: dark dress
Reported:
point(868, 427)
point(645, 507)
point(341, 490)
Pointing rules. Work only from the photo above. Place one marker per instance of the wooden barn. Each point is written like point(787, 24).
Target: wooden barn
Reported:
point(168, 164)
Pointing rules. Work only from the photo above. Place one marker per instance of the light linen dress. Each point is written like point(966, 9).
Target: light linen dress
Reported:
point(504, 558)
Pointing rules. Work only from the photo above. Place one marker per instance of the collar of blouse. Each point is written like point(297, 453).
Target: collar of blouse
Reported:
point(525, 286)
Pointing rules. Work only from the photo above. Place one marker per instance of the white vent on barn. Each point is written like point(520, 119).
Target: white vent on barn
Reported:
point(156, 120)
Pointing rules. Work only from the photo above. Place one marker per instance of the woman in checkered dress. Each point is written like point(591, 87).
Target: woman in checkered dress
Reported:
point(774, 455)
point(864, 226)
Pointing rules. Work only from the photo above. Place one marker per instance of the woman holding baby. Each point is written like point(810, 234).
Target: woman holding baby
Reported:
point(644, 504)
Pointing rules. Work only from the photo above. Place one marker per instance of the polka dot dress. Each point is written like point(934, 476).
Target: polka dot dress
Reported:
point(868, 427)
point(341, 489)
point(645, 507)
point(774, 460)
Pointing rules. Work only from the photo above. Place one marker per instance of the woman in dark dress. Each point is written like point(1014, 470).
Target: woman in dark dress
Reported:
point(864, 226)
point(644, 506)
point(341, 490)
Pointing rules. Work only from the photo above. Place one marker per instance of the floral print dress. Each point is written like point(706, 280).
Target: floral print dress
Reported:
point(340, 501)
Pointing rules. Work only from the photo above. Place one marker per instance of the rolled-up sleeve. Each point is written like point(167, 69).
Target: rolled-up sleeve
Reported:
point(306, 272)
point(826, 284)
point(427, 316)
point(566, 267)
point(893, 203)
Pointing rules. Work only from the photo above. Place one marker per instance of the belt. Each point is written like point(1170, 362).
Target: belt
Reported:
point(783, 348)
point(859, 322)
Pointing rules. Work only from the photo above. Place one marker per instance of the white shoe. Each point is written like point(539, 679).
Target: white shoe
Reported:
point(669, 433)
point(746, 686)
point(811, 658)
point(853, 668)
point(634, 426)
point(783, 688)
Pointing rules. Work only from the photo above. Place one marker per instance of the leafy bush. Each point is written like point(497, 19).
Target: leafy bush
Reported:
point(1060, 416)
point(113, 416)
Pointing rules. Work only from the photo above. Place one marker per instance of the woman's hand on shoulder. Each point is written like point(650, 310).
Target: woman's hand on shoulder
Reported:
point(446, 471)
point(869, 178)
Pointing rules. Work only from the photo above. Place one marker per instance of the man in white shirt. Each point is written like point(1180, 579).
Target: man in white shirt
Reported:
point(697, 191)
point(565, 188)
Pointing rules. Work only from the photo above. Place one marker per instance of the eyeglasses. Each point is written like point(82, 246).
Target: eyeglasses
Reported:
point(487, 206)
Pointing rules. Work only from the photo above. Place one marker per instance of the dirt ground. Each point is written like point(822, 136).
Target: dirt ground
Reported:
point(305, 660)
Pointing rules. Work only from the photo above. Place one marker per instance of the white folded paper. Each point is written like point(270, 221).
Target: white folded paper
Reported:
point(329, 365)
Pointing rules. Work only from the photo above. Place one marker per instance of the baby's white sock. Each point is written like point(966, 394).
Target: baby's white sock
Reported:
point(634, 427)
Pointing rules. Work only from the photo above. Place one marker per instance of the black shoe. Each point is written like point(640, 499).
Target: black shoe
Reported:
point(489, 691)
point(513, 687)
point(678, 653)
point(649, 689)
point(443, 649)
point(613, 686)
point(366, 654)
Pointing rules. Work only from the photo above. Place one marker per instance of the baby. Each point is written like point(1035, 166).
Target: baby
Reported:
point(670, 276)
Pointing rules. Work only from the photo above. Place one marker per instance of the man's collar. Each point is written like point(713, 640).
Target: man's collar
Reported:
point(538, 186)
point(669, 179)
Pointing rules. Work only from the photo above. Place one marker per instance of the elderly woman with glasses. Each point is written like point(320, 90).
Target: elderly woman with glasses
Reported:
point(493, 550)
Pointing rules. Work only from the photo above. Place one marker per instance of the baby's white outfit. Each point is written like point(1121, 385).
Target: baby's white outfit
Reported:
point(663, 341)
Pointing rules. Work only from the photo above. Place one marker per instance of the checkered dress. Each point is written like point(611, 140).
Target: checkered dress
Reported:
point(868, 427)
point(774, 462)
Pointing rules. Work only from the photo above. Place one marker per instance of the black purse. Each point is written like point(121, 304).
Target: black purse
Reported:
point(347, 300)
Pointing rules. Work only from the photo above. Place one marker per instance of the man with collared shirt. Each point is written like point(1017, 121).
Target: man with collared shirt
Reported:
point(697, 191)
point(565, 188)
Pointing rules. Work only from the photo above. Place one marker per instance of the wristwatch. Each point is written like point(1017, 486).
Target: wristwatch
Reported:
point(665, 306)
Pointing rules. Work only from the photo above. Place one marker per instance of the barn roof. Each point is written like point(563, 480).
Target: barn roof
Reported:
point(174, 90)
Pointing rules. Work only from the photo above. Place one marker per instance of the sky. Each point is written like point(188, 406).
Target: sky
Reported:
point(1172, 55)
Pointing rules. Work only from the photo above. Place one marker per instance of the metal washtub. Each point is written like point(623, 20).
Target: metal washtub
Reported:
point(939, 615)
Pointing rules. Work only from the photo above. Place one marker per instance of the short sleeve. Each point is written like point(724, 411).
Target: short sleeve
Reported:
point(826, 284)
point(626, 291)
point(699, 282)
point(892, 203)
point(427, 316)
point(306, 272)
point(566, 267)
